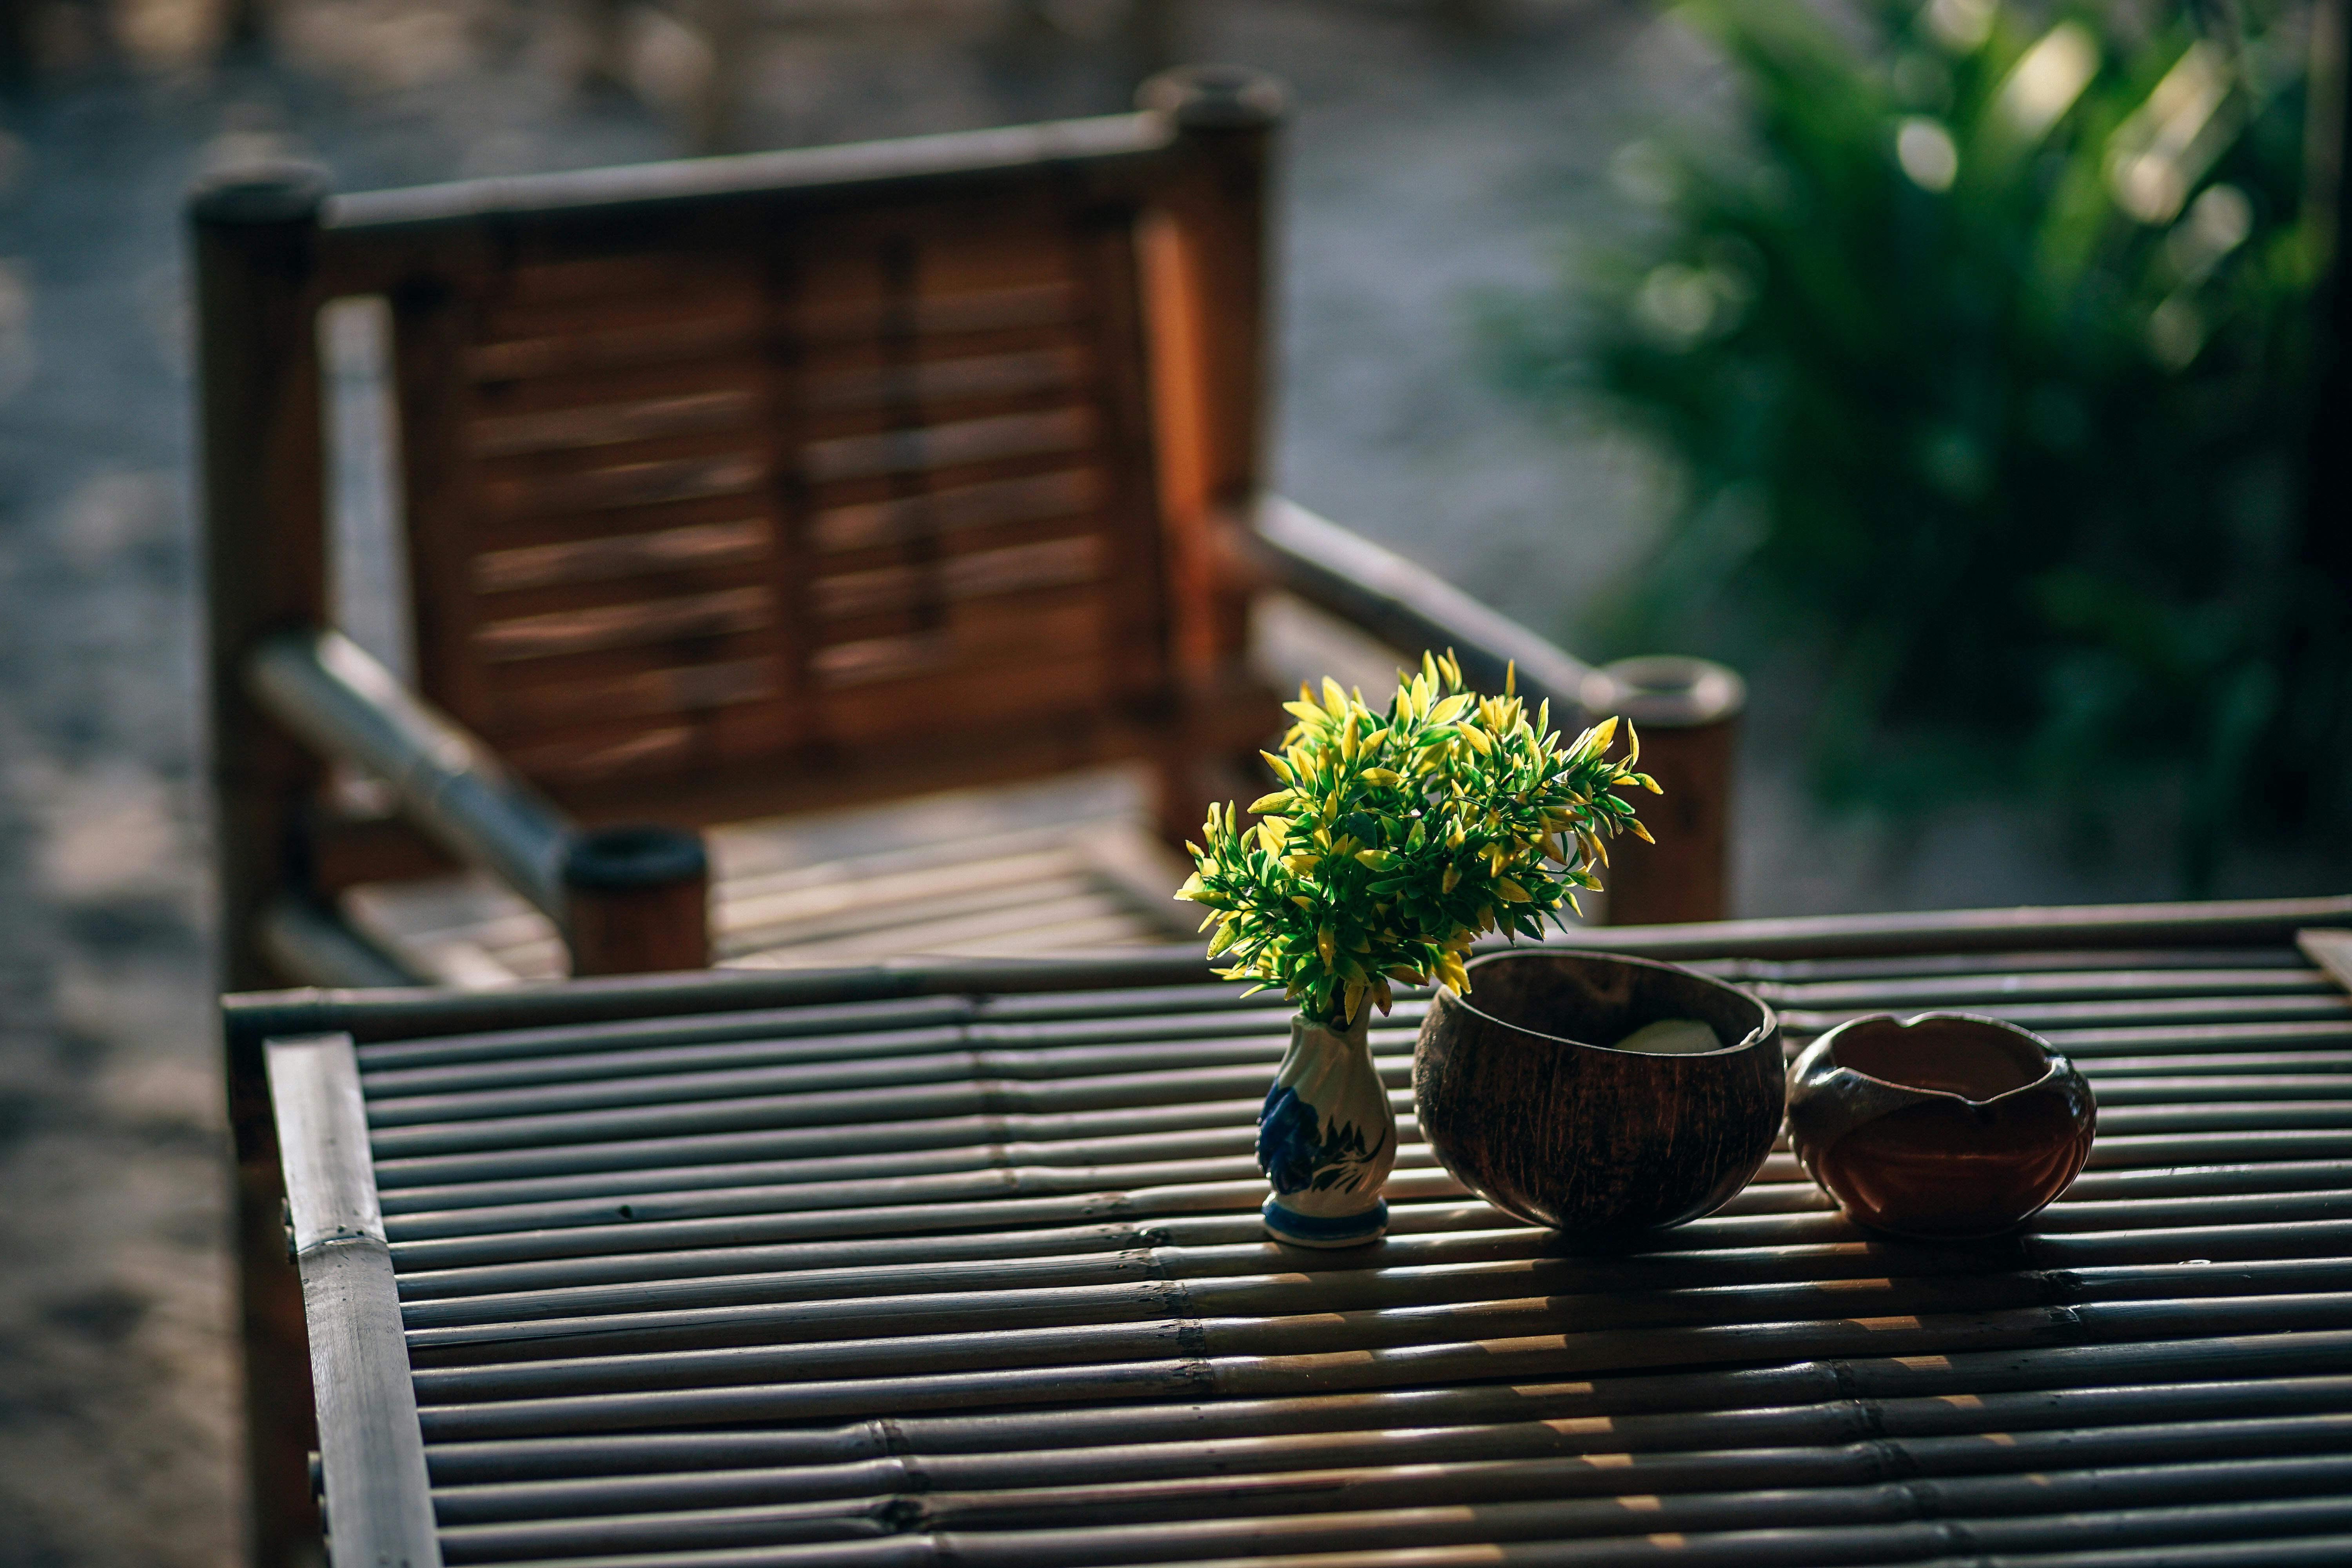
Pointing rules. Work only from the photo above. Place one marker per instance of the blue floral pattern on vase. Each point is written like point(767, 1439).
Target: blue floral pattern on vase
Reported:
point(1326, 1139)
point(1296, 1158)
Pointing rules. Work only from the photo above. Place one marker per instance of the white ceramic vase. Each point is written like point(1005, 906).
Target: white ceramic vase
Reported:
point(1326, 1139)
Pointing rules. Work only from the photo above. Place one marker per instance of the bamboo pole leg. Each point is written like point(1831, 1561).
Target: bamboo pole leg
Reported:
point(639, 900)
point(254, 246)
point(1687, 713)
point(1226, 118)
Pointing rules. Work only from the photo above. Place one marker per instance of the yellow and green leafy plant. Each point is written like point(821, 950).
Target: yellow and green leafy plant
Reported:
point(1399, 837)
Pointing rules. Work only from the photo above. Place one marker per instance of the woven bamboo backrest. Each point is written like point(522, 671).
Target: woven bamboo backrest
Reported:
point(747, 485)
point(816, 459)
point(881, 473)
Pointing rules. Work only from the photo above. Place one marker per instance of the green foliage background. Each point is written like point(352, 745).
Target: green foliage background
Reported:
point(1986, 350)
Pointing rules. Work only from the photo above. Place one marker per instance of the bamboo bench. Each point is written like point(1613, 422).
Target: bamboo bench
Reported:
point(962, 1265)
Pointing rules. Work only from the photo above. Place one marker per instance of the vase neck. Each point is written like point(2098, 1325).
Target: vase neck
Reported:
point(1357, 1032)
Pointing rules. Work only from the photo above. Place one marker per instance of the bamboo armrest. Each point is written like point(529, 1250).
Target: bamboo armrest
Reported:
point(1686, 710)
point(1407, 606)
point(330, 693)
point(627, 900)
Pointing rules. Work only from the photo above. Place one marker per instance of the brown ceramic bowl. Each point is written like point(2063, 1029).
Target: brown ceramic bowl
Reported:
point(1583, 1137)
point(1943, 1125)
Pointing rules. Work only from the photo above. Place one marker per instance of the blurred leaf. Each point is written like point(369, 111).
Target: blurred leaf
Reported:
point(1985, 351)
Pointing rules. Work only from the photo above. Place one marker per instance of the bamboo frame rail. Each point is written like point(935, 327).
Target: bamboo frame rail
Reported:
point(371, 1450)
point(637, 192)
point(961, 1266)
point(428, 1014)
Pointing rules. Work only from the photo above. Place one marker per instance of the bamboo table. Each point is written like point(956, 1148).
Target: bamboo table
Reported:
point(963, 1266)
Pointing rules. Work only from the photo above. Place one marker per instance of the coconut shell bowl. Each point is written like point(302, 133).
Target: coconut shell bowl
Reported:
point(1522, 1105)
point(1943, 1126)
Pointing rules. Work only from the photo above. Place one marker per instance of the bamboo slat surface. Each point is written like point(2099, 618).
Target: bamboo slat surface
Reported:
point(978, 1279)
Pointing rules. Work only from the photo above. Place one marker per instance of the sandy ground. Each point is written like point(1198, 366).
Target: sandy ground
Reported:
point(1428, 162)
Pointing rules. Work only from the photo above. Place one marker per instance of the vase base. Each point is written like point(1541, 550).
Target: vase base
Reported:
point(1295, 1229)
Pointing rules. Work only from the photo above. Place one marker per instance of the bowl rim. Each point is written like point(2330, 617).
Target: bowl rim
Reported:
point(1764, 1031)
point(2053, 1065)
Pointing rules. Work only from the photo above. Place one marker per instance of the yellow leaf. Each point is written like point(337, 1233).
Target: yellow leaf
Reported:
point(1335, 701)
point(1511, 891)
point(1642, 833)
point(1451, 879)
point(1325, 946)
